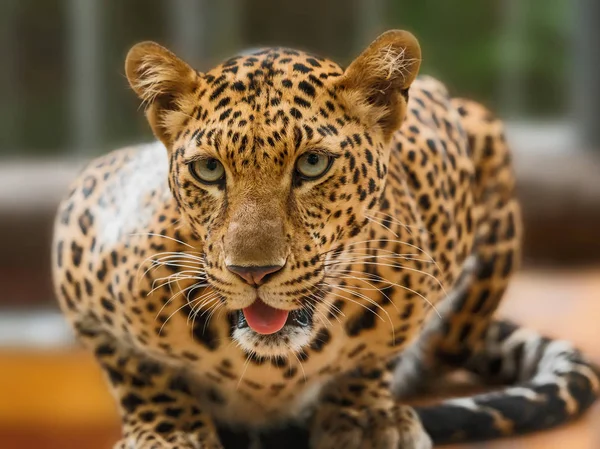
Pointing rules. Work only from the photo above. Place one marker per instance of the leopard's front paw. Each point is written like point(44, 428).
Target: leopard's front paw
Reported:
point(367, 428)
point(178, 440)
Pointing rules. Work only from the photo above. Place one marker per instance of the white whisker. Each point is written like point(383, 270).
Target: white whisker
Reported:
point(152, 234)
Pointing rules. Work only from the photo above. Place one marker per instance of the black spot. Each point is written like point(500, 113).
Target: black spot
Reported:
point(297, 137)
point(253, 385)
point(443, 420)
point(114, 258)
point(218, 91)
point(321, 339)
point(425, 202)
point(313, 62)
point(307, 88)
point(354, 352)
point(188, 355)
point(162, 398)
point(510, 227)
point(482, 299)
point(114, 376)
point(356, 388)
point(369, 156)
point(295, 113)
point(407, 312)
point(238, 86)
point(301, 102)
point(486, 270)
point(372, 186)
point(508, 264)
point(278, 361)
point(215, 396)
point(164, 427)
point(488, 148)
point(104, 350)
point(290, 372)
point(432, 146)
point(179, 384)
point(196, 425)
point(465, 331)
point(101, 273)
point(85, 221)
point(131, 402)
point(221, 104)
point(363, 320)
point(107, 304)
point(89, 184)
point(298, 67)
point(147, 416)
point(374, 373)
point(173, 412)
point(204, 334)
point(148, 368)
point(76, 253)
point(257, 359)
point(225, 114)
point(59, 253)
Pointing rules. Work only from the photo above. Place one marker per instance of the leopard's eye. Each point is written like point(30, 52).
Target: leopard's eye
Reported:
point(207, 171)
point(312, 165)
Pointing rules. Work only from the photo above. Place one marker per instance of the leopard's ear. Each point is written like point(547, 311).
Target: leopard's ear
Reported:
point(165, 84)
point(376, 83)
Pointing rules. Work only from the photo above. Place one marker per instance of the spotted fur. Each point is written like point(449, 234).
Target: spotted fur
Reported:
point(395, 259)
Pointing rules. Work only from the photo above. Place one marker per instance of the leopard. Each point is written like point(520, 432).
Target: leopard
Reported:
point(302, 249)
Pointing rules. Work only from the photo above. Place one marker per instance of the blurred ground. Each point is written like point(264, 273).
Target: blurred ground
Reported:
point(58, 400)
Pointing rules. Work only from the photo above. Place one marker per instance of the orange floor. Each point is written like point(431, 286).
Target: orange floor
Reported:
point(58, 400)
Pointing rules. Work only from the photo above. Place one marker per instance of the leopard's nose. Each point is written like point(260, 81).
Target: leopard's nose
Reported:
point(254, 275)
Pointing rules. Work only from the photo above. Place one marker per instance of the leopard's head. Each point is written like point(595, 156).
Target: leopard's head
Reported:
point(276, 158)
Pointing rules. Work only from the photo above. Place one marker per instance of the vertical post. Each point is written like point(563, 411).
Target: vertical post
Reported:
point(370, 22)
point(9, 107)
point(226, 28)
point(585, 73)
point(85, 57)
point(187, 19)
point(511, 93)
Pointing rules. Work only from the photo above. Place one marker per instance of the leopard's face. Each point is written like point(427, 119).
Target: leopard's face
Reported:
point(275, 163)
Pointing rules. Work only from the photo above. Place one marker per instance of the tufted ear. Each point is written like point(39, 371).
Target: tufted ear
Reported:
point(375, 85)
point(164, 83)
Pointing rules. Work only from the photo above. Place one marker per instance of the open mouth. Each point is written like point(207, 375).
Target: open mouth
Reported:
point(266, 320)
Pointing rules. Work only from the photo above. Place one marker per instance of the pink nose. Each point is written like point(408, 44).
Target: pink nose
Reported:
point(254, 275)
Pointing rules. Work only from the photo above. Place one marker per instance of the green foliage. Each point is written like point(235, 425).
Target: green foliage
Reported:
point(471, 46)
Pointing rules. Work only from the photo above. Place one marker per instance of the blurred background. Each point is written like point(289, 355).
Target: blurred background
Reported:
point(64, 99)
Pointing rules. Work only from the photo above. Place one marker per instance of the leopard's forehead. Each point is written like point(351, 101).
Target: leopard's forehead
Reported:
point(258, 108)
point(274, 67)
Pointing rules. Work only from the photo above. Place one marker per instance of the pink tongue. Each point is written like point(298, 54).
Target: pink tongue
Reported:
point(265, 319)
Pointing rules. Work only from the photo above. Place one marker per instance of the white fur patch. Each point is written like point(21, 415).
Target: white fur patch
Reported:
point(273, 345)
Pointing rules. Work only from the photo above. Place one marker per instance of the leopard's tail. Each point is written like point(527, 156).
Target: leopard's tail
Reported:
point(546, 382)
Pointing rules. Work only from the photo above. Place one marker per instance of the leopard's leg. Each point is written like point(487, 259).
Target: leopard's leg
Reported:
point(463, 331)
point(468, 311)
point(460, 337)
point(157, 407)
point(359, 410)
point(497, 250)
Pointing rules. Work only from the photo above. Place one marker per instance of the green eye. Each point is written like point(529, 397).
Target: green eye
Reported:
point(312, 165)
point(207, 171)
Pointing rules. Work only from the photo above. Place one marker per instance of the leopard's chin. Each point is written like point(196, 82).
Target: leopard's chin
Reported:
point(296, 334)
